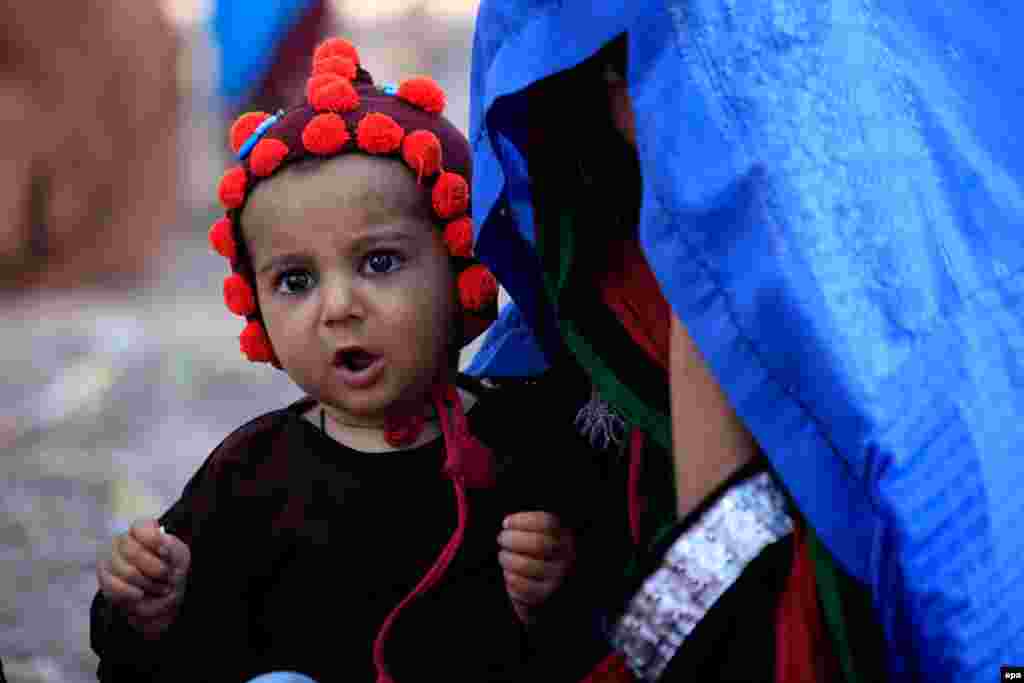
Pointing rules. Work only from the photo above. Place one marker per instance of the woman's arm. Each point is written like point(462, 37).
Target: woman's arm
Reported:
point(709, 442)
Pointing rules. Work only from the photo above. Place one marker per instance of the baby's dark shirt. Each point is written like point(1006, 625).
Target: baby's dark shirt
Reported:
point(301, 547)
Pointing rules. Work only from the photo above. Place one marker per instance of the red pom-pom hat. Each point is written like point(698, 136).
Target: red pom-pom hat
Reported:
point(335, 47)
point(450, 196)
point(245, 126)
point(379, 134)
point(477, 288)
point(340, 66)
point(422, 151)
point(267, 156)
point(458, 235)
point(238, 295)
point(232, 188)
point(424, 93)
point(345, 112)
point(325, 134)
point(255, 343)
point(331, 92)
point(222, 239)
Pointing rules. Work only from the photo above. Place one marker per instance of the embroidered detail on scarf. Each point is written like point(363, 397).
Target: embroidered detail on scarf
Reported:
point(600, 424)
point(699, 567)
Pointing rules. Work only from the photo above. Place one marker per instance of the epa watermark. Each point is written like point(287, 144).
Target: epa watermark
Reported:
point(1011, 673)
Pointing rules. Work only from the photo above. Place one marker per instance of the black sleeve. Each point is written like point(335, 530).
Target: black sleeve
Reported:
point(735, 641)
point(546, 465)
point(588, 494)
point(543, 462)
point(124, 653)
point(202, 640)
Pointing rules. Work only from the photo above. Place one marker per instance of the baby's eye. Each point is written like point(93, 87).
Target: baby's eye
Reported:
point(294, 282)
point(379, 262)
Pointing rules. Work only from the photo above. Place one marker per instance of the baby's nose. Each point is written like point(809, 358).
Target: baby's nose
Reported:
point(341, 302)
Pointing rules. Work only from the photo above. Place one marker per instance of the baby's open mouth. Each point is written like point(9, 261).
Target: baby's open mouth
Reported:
point(354, 360)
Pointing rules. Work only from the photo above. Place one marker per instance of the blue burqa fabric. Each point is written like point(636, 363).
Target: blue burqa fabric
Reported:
point(833, 206)
point(247, 33)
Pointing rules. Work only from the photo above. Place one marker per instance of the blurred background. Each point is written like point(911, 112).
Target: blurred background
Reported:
point(120, 363)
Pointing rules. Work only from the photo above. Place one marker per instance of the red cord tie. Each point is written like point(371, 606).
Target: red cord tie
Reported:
point(469, 465)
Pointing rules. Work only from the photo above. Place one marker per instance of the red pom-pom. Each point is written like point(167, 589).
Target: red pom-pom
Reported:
point(243, 128)
point(450, 195)
point(458, 235)
point(222, 239)
point(238, 295)
point(318, 81)
point(255, 343)
point(423, 92)
point(335, 47)
point(422, 151)
point(331, 92)
point(378, 134)
point(342, 66)
point(477, 288)
point(232, 188)
point(266, 156)
point(325, 134)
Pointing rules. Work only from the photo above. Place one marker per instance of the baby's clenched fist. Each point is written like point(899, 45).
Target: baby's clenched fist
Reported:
point(144, 576)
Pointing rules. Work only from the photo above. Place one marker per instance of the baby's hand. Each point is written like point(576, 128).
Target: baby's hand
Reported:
point(144, 576)
point(536, 553)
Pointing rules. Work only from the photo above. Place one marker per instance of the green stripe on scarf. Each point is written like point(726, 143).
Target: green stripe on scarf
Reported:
point(559, 268)
point(831, 601)
point(611, 389)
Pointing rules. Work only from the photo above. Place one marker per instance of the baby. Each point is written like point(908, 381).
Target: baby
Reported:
point(352, 534)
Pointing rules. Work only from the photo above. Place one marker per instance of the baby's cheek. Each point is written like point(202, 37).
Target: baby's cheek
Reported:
point(430, 336)
point(431, 332)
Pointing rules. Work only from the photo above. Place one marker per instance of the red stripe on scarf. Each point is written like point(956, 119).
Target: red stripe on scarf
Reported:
point(803, 651)
point(630, 290)
point(611, 669)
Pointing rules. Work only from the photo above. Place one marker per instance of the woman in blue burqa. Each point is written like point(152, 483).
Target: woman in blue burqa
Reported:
point(785, 241)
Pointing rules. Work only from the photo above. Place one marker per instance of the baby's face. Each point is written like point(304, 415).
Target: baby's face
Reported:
point(354, 283)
